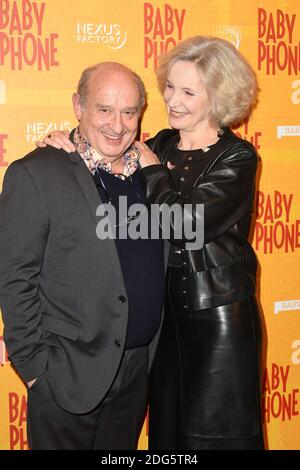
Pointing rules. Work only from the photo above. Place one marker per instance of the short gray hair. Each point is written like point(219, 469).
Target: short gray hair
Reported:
point(229, 80)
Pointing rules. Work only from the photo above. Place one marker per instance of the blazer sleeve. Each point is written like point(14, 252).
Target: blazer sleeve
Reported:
point(24, 225)
point(226, 191)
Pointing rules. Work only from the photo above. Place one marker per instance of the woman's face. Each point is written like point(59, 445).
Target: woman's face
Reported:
point(186, 97)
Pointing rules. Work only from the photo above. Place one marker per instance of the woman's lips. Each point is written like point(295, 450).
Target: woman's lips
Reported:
point(177, 114)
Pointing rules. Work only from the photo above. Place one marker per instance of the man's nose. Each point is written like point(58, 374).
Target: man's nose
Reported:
point(117, 123)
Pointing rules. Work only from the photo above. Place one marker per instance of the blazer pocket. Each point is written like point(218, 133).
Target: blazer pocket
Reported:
point(60, 327)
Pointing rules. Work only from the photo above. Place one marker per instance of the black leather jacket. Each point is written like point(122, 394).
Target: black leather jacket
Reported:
point(223, 179)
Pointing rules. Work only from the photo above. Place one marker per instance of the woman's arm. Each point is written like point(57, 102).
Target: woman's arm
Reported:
point(226, 191)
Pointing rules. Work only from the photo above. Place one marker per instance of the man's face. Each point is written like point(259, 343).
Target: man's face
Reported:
point(109, 118)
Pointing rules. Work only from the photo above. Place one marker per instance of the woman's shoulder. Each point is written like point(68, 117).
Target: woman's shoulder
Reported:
point(232, 147)
point(163, 138)
point(239, 143)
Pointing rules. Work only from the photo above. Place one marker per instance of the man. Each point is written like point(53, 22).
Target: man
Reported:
point(81, 312)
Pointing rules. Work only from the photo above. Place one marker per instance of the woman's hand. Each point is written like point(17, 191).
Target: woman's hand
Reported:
point(59, 140)
point(147, 157)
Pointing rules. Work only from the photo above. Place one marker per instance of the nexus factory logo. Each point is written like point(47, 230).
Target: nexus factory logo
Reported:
point(110, 35)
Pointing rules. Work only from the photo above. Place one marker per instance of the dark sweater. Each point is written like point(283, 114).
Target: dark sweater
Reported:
point(141, 262)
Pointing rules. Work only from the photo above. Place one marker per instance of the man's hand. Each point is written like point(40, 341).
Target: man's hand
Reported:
point(31, 382)
point(59, 140)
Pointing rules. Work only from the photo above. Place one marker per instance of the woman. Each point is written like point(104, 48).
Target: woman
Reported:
point(205, 387)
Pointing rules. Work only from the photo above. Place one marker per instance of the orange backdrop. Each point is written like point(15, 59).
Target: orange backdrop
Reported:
point(44, 46)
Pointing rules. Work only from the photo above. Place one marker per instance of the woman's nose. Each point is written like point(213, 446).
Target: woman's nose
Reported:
point(172, 99)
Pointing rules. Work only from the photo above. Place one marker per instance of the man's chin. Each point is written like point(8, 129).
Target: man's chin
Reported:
point(112, 152)
point(113, 148)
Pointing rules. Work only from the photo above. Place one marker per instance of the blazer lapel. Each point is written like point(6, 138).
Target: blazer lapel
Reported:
point(93, 200)
point(86, 183)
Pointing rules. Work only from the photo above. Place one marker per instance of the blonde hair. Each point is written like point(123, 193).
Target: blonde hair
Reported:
point(228, 78)
point(107, 67)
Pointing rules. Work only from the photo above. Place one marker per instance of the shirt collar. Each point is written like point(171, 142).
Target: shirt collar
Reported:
point(94, 160)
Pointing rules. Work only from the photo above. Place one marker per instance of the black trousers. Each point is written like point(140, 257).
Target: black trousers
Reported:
point(115, 424)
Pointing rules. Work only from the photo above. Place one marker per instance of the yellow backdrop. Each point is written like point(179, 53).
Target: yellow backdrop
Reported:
point(44, 46)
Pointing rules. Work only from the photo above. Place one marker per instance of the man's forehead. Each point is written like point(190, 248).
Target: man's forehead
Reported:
point(111, 105)
point(114, 79)
point(109, 91)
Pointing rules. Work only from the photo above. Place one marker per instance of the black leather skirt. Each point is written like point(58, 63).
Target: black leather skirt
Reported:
point(205, 383)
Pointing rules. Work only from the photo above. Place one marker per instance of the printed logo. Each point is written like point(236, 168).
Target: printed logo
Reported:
point(38, 130)
point(276, 48)
point(110, 35)
point(295, 98)
point(3, 353)
point(273, 229)
point(288, 131)
point(3, 138)
point(253, 137)
point(136, 221)
point(279, 402)
point(17, 407)
point(163, 29)
point(21, 40)
point(286, 305)
point(231, 34)
point(2, 92)
point(295, 359)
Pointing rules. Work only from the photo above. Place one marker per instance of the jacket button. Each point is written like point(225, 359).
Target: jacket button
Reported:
point(118, 343)
point(184, 263)
point(186, 167)
point(184, 291)
point(190, 158)
point(183, 278)
point(185, 307)
point(122, 299)
point(182, 178)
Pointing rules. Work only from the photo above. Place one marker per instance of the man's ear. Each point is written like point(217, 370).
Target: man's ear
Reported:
point(77, 106)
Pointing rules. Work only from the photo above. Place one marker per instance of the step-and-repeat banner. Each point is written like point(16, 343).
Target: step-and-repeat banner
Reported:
point(44, 46)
